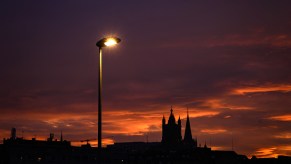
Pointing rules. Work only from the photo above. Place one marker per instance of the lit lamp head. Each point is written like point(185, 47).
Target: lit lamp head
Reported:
point(107, 42)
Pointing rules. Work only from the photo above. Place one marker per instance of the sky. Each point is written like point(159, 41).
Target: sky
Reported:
point(228, 62)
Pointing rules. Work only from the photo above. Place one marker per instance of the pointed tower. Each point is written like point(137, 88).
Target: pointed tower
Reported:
point(171, 132)
point(188, 135)
point(164, 120)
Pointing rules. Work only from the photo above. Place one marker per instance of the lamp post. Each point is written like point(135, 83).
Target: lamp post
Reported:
point(105, 42)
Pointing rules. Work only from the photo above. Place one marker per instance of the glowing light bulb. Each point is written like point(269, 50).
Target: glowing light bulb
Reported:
point(110, 42)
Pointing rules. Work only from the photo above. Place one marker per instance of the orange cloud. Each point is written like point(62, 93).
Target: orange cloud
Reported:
point(213, 131)
point(218, 104)
point(266, 152)
point(283, 136)
point(130, 123)
point(200, 114)
point(257, 89)
point(273, 152)
point(288, 147)
point(286, 117)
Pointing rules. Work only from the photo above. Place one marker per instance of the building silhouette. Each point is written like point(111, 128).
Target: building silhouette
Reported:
point(171, 150)
point(188, 140)
point(171, 131)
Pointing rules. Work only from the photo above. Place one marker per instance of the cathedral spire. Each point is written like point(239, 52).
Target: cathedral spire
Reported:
point(188, 135)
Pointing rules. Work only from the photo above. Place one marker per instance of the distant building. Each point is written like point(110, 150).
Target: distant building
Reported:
point(171, 132)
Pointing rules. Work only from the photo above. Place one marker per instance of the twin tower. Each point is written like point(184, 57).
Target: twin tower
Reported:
point(172, 132)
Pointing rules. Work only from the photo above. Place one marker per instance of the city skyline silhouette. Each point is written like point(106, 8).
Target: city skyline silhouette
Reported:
point(173, 148)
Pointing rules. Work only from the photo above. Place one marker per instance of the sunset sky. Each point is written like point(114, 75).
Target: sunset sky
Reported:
point(229, 62)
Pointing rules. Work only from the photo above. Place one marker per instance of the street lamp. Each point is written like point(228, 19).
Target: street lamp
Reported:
point(105, 42)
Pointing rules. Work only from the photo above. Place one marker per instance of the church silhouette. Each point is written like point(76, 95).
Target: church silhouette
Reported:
point(171, 132)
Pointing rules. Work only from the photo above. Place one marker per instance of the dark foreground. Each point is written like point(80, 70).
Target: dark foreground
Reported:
point(20, 151)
